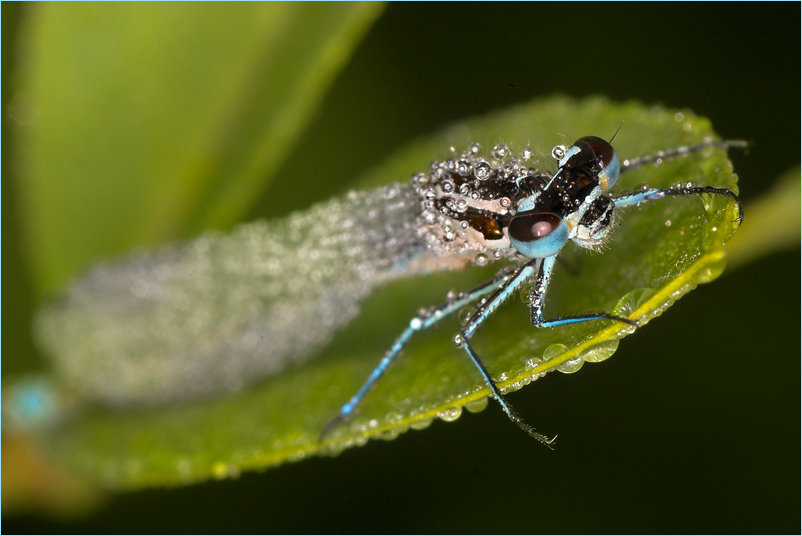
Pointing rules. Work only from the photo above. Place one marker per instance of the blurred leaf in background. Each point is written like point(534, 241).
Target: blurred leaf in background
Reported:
point(171, 121)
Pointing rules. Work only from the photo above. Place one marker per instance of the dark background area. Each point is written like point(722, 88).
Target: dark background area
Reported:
point(651, 441)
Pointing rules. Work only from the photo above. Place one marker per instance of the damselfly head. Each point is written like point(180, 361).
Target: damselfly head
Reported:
point(592, 156)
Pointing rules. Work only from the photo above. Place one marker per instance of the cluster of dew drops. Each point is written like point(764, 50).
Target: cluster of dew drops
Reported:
point(502, 166)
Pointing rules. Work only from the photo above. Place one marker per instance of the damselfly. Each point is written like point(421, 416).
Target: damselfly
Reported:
point(219, 312)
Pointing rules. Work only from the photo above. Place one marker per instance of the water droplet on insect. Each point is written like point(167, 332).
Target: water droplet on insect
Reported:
point(464, 314)
point(558, 152)
point(527, 154)
point(481, 259)
point(419, 179)
point(527, 294)
point(500, 151)
point(482, 170)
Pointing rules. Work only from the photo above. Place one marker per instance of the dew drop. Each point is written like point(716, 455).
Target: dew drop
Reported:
point(481, 259)
point(477, 405)
point(600, 352)
point(421, 425)
point(571, 365)
point(632, 301)
point(420, 179)
point(558, 152)
point(389, 435)
point(482, 170)
point(553, 351)
point(527, 294)
point(464, 315)
point(450, 414)
point(392, 417)
point(221, 470)
point(500, 151)
point(532, 363)
point(711, 271)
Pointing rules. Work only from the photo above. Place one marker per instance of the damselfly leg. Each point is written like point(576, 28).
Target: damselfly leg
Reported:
point(421, 322)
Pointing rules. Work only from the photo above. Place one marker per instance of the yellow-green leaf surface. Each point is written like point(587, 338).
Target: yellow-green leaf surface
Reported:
point(140, 123)
point(660, 251)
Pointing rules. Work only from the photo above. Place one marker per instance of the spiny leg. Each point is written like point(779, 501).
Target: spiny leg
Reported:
point(544, 268)
point(419, 323)
point(516, 279)
point(539, 297)
point(653, 194)
point(635, 163)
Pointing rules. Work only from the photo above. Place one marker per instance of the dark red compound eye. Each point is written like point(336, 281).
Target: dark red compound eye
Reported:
point(601, 148)
point(529, 227)
point(538, 235)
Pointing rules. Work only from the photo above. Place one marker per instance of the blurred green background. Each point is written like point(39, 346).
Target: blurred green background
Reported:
point(648, 443)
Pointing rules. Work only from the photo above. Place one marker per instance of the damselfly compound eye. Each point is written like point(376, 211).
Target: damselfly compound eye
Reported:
point(607, 157)
point(538, 235)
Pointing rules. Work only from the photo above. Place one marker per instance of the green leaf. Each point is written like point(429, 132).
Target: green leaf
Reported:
point(660, 251)
point(140, 123)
